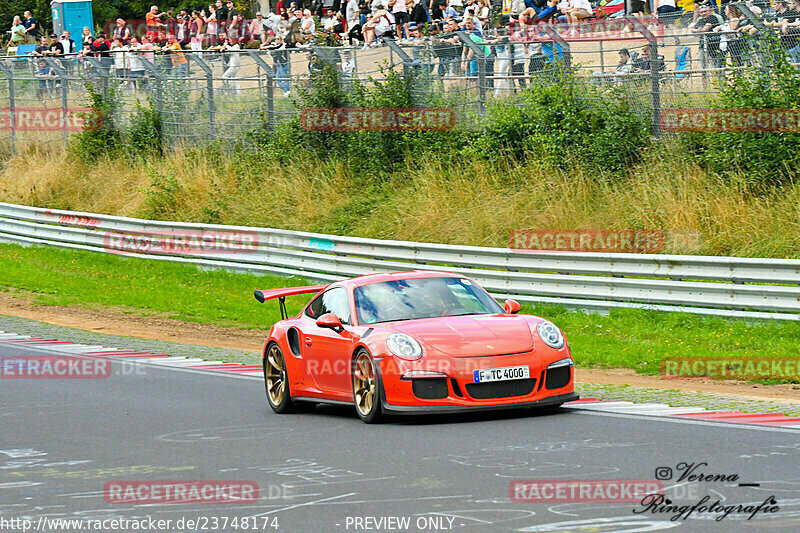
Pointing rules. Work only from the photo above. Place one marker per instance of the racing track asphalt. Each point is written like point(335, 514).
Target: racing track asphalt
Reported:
point(61, 440)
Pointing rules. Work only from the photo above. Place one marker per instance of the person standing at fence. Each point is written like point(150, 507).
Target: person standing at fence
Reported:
point(469, 63)
point(308, 26)
point(222, 17)
point(100, 48)
point(790, 31)
point(180, 67)
point(710, 54)
point(121, 31)
point(42, 48)
point(353, 18)
point(55, 49)
point(256, 28)
point(68, 46)
point(234, 24)
point(196, 31)
point(86, 36)
point(212, 26)
point(280, 61)
point(181, 30)
point(502, 63)
point(17, 32)
point(120, 51)
point(152, 20)
point(231, 75)
point(135, 63)
point(46, 77)
point(146, 50)
point(400, 13)
point(31, 28)
point(419, 14)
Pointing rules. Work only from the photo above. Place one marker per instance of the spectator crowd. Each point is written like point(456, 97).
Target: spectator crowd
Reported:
point(509, 43)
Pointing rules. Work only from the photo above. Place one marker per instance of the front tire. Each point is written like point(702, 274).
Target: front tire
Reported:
point(276, 380)
point(366, 388)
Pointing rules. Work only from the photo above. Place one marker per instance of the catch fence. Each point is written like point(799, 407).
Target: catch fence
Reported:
point(209, 95)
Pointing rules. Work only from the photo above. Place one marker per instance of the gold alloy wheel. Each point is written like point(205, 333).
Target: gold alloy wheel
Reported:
point(275, 375)
point(364, 384)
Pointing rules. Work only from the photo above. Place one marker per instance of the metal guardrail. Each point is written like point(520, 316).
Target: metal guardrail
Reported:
point(725, 286)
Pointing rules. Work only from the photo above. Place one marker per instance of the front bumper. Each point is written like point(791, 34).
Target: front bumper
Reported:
point(441, 409)
point(457, 391)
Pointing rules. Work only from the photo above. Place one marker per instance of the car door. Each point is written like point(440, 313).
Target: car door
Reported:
point(328, 352)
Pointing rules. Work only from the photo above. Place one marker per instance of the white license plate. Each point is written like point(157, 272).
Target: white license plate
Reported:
point(501, 374)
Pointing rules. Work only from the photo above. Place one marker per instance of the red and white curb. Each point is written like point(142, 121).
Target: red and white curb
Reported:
point(256, 372)
point(693, 413)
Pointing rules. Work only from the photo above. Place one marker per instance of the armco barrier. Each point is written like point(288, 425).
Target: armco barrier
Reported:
point(729, 286)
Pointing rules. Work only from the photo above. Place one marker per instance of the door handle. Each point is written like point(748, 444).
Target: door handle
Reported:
point(308, 341)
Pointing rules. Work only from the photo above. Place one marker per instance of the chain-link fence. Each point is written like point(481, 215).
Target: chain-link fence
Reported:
point(214, 95)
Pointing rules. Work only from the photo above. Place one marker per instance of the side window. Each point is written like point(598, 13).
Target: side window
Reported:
point(331, 301)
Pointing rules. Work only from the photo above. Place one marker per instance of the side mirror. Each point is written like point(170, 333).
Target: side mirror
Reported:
point(331, 321)
point(512, 307)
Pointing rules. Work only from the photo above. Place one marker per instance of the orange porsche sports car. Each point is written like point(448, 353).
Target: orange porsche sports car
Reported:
point(413, 342)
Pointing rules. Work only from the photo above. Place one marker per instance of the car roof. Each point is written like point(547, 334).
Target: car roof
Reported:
point(413, 274)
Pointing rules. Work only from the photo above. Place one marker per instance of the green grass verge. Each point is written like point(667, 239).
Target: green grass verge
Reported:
point(635, 339)
point(145, 287)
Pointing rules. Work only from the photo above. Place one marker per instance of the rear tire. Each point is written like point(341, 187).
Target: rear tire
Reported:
point(276, 380)
point(367, 390)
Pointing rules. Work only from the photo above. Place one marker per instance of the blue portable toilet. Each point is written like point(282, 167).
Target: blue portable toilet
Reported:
point(73, 16)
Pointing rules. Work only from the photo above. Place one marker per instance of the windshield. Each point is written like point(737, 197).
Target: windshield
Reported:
point(410, 299)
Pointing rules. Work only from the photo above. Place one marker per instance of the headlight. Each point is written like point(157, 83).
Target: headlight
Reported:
point(403, 346)
point(550, 334)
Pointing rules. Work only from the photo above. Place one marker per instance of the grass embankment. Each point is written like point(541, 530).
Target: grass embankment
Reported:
point(469, 202)
point(633, 339)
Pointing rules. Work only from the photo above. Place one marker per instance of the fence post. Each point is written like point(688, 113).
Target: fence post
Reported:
point(210, 86)
point(270, 85)
point(757, 23)
point(11, 104)
point(655, 74)
point(62, 74)
point(104, 74)
point(159, 77)
point(404, 57)
point(480, 57)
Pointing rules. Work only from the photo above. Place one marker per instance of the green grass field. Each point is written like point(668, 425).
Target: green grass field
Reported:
point(633, 339)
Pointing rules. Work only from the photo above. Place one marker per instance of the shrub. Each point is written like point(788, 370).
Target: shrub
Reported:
point(367, 153)
point(144, 133)
point(90, 144)
point(559, 123)
point(765, 158)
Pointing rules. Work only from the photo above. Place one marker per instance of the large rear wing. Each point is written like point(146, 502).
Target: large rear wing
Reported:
point(269, 294)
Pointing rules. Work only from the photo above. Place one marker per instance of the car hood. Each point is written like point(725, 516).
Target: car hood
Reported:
point(471, 336)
